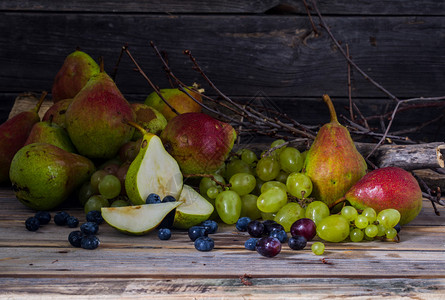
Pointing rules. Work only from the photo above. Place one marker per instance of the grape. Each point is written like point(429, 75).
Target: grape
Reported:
point(390, 233)
point(317, 248)
point(85, 192)
point(370, 214)
point(276, 143)
point(248, 156)
point(304, 227)
point(259, 183)
point(228, 206)
point(267, 216)
point(96, 178)
point(268, 246)
point(267, 168)
point(334, 228)
point(349, 212)
point(242, 183)
point(398, 227)
point(361, 222)
point(271, 225)
point(267, 185)
point(95, 202)
point(291, 160)
point(282, 177)
point(299, 185)
point(237, 166)
point(212, 192)
point(389, 217)
point(371, 230)
point(272, 200)
point(110, 186)
point(381, 230)
point(119, 203)
point(288, 214)
point(249, 207)
point(255, 228)
point(297, 242)
point(356, 235)
point(207, 182)
point(111, 166)
point(316, 211)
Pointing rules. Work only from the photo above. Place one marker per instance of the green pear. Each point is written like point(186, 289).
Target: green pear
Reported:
point(153, 170)
point(57, 112)
point(43, 176)
point(51, 133)
point(75, 72)
point(333, 163)
point(138, 219)
point(194, 209)
point(149, 118)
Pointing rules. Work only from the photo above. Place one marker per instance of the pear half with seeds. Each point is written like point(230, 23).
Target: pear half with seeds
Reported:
point(193, 210)
point(137, 219)
point(153, 170)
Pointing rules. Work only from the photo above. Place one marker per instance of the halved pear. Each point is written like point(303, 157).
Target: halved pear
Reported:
point(153, 170)
point(194, 209)
point(137, 219)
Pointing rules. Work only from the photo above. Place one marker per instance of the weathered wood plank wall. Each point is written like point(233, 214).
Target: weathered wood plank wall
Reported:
point(247, 48)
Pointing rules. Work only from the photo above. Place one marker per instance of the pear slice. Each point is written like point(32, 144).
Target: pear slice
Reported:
point(153, 170)
point(194, 210)
point(137, 219)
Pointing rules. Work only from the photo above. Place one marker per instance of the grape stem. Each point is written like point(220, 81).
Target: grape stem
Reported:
point(209, 176)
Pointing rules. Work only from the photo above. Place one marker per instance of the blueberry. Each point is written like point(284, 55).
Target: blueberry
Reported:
point(210, 226)
point(196, 232)
point(204, 243)
point(297, 242)
point(169, 198)
point(281, 235)
point(75, 237)
point(153, 198)
point(250, 244)
point(164, 234)
point(95, 216)
point(398, 228)
point(168, 220)
point(241, 224)
point(43, 216)
point(89, 242)
point(60, 218)
point(89, 228)
point(72, 222)
point(269, 227)
point(32, 224)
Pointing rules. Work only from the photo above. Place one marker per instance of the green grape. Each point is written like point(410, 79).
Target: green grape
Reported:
point(268, 216)
point(237, 166)
point(381, 230)
point(207, 182)
point(272, 200)
point(282, 177)
point(242, 183)
point(388, 217)
point(370, 214)
point(291, 160)
point(277, 143)
point(303, 155)
point(259, 184)
point(361, 221)
point(119, 203)
point(248, 156)
point(390, 233)
point(288, 214)
point(371, 230)
point(349, 212)
point(269, 184)
point(317, 248)
point(212, 192)
point(356, 235)
point(249, 207)
point(95, 202)
point(267, 168)
point(333, 228)
point(299, 185)
point(228, 205)
point(85, 192)
point(110, 186)
point(316, 211)
point(96, 178)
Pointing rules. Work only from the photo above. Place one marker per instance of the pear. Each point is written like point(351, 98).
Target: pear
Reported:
point(75, 72)
point(198, 142)
point(43, 175)
point(153, 170)
point(57, 111)
point(51, 133)
point(138, 219)
point(149, 118)
point(13, 135)
point(333, 163)
point(179, 100)
point(194, 209)
point(96, 119)
point(389, 187)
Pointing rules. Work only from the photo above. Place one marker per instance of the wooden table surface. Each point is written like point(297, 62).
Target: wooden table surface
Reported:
point(43, 264)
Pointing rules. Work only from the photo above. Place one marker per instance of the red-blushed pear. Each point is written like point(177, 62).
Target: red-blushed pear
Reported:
point(333, 163)
point(96, 119)
point(199, 143)
point(57, 112)
point(13, 135)
point(389, 187)
point(51, 133)
point(149, 118)
point(75, 72)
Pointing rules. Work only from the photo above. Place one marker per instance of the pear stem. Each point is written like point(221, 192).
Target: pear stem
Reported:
point(342, 199)
point(39, 104)
point(101, 64)
point(137, 126)
point(328, 101)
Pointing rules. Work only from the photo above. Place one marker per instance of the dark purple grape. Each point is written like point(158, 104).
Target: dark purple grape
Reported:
point(271, 227)
point(304, 227)
point(255, 228)
point(268, 246)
